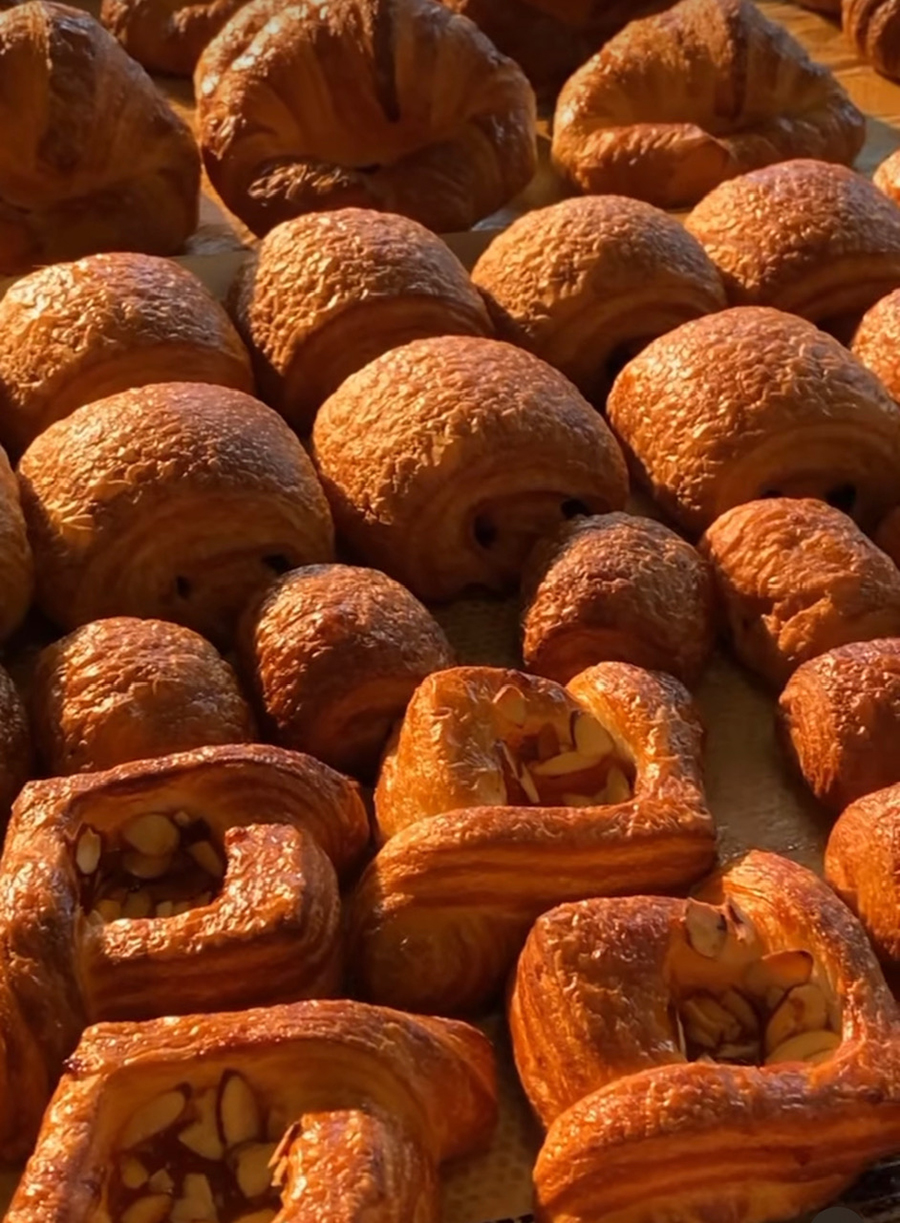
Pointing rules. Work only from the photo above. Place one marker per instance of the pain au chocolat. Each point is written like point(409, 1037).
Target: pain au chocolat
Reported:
point(197, 882)
point(586, 283)
point(94, 158)
point(810, 238)
point(334, 653)
point(167, 35)
point(873, 26)
point(677, 103)
point(504, 794)
point(326, 1110)
point(445, 460)
point(751, 403)
point(177, 501)
point(325, 294)
point(840, 715)
point(796, 577)
point(618, 588)
point(74, 333)
point(402, 107)
point(16, 563)
point(126, 689)
point(758, 1077)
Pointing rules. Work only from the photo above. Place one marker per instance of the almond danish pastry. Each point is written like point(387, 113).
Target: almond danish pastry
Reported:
point(197, 882)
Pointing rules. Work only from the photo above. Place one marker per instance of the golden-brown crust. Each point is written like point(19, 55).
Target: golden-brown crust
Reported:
point(862, 864)
point(887, 176)
point(797, 578)
point(369, 1102)
point(877, 340)
point(873, 26)
point(15, 745)
point(446, 459)
point(99, 161)
point(406, 109)
point(586, 282)
point(752, 402)
point(840, 715)
point(267, 932)
point(127, 689)
point(325, 294)
point(177, 501)
point(16, 562)
point(634, 1126)
point(78, 332)
point(441, 914)
point(335, 653)
point(810, 238)
point(617, 588)
point(743, 91)
point(167, 35)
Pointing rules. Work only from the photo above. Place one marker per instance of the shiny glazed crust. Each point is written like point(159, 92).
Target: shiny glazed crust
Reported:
point(873, 26)
point(445, 460)
point(586, 282)
point(617, 588)
point(810, 238)
point(862, 864)
point(373, 1100)
point(745, 92)
point(167, 35)
point(325, 294)
point(99, 161)
point(16, 563)
point(637, 1131)
point(285, 823)
point(187, 498)
point(841, 717)
point(877, 340)
point(78, 332)
point(442, 912)
point(405, 108)
point(797, 578)
point(15, 745)
point(749, 403)
point(334, 653)
point(126, 689)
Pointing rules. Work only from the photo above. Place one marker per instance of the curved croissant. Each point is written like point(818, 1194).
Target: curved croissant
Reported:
point(99, 160)
point(402, 107)
point(714, 414)
point(505, 794)
point(766, 1044)
point(196, 882)
point(213, 497)
point(876, 342)
point(167, 35)
point(584, 284)
point(329, 1110)
point(676, 104)
point(446, 459)
point(77, 332)
point(873, 26)
point(16, 563)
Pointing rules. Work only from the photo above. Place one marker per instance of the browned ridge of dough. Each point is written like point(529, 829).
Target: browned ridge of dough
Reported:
point(167, 35)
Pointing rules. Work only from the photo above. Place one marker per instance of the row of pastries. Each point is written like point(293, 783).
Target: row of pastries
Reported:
point(272, 845)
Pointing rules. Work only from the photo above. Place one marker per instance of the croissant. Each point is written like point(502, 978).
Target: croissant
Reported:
point(617, 588)
point(335, 653)
point(327, 293)
point(806, 237)
point(797, 578)
point(15, 745)
point(873, 26)
point(402, 107)
point(213, 497)
point(95, 158)
point(126, 689)
point(446, 459)
point(16, 564)
point(584, 284)
point(74, 333)
point(680, 102)
point(887, 176)
point(505, 794)
point(840, 715)
point(887, 536)
point(195, 882)
point(755, 1080)
point(353, 1106)
point(876, 340)
point(752, 403)
point(167, 35)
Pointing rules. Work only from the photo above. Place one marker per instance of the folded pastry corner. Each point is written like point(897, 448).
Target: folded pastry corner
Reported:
point(327, 1110)
point(506, 793)
point(167, 35)
point(759, 1076)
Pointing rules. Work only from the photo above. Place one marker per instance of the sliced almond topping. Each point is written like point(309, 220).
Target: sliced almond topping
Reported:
point(109, 910)
point(510, 702)
point(251, 1167)
point(618, 789)
point(202, 1135)
point(182, 818)
point(165, 908)
point(804, 1047)
point(591, 739)
point(708, 1023)
point(151, 1209)
point(746, 1053)
point(526, 781)
point(207, 858)
point(782, 970)
point(197, 1201)
point(547, 741)
point(153, 1117)
point(142, 866)
point(88, 851)
point(133, 1173)
point(179, 907)
point(154, 835)
point(137, 904)
point(804, 1009)
point(161, 1182)
point(577, 800)
point(559, 766)
point(705, 928)
point(239, 1119)
point(741, 1009)
point(279, 1161)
